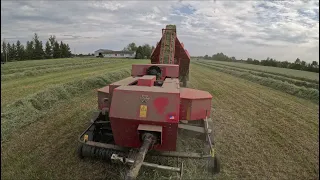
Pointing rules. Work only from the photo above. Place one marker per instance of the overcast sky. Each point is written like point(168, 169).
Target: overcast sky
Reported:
point(259, 29)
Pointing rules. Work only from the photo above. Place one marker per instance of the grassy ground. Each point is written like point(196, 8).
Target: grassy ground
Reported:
point(260, 133)
point(276, 70)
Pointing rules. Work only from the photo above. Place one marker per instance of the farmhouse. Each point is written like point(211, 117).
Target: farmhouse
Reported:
point(114, 54)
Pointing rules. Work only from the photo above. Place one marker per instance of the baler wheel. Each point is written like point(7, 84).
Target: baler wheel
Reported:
point(79, 151)
point(214, 165)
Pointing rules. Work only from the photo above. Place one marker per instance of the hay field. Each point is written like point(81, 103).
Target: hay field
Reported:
point(261, 132)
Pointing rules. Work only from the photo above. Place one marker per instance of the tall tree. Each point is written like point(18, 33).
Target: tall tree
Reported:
point(20, 51)
point(38, 50)
point(139, 53)
point(131, 47)
point(52, 40)
point(56, 50)
point(4, 51)
point(48, 51)
point(68, 51)
point(29, 50)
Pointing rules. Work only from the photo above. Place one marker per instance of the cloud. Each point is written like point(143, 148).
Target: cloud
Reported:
point(283, 30)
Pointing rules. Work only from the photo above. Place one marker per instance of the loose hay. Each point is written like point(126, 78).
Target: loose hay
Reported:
point(302, 92)
point(31, 108)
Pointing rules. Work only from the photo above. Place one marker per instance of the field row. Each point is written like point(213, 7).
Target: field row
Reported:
point(13, 90)
point(57, 68)
point(251, 122)
point(275, 82)
point(5, 70)
point(47, 63)
point(290, 73)
point(292, 80)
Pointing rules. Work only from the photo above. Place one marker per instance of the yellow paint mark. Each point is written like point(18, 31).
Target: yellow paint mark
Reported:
point(212, 152)
point(143, 111)
point(86, 137)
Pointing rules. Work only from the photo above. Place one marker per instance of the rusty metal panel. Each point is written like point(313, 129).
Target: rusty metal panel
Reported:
point(123, 82)
point(172, 83)
point(200, 108)
point(188, 93)
point(146, 103)
point(194, 104)
point(126, 134)
point(103, 94)
point(146, 80)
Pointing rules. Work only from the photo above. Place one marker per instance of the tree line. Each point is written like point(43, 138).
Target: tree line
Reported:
point(34, 50)
point(297, 64)
point(142, 52)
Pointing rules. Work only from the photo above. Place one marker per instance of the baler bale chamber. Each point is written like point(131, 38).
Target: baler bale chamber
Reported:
point(142, 114)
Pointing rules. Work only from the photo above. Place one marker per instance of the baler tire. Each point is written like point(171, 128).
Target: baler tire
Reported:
point(214, 165)
point(217, 165)
point(79, 151)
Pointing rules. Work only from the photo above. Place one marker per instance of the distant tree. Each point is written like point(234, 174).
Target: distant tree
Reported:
point(146, 49)
point(139, 53)
point(38, 49)
point(48, 51)
point(29, 50)
point(20, 51)
point(131, 47)
point(4, 51)
point(314, 64)
point(297, 61)
point(56, 50)
point(9, 49)
point(52, 40)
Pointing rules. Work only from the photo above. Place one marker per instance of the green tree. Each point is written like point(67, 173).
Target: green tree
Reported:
point(48, 51)
point(4, 51)
point(9, 49)
point(146, 49)
point(139, 53)
point(38, 49)
point(29, 50)
point(68, 51)
point(56, 50)
point(131, 47)
point(52, 40)
point(20, 51)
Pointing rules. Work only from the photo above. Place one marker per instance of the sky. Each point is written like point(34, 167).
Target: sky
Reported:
point(284, 30)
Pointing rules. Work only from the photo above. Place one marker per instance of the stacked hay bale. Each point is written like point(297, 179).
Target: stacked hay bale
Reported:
point(168, 40)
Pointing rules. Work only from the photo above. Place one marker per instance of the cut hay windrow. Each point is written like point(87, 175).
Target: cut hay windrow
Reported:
point(270, 72)
point(302, 92)
point(57, 69)
point(265, 74)
point(6, 71)
point(30, 109)
point(168, 44)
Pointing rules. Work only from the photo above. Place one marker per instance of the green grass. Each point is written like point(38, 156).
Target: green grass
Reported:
point(290, 73)
point(296, 82)
point(260, 133)
point(19, 88)
point(303, 92)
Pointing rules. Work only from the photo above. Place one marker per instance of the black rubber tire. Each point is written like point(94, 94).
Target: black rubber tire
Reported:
point(214, 165)
point(79, 151)
point(217, 165)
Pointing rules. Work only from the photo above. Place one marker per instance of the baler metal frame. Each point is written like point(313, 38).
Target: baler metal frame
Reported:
point(213, 165)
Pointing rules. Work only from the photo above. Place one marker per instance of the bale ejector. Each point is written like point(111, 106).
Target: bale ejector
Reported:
point(144, 112)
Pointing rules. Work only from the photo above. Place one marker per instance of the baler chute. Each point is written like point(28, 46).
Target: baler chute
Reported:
point(143, 113)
